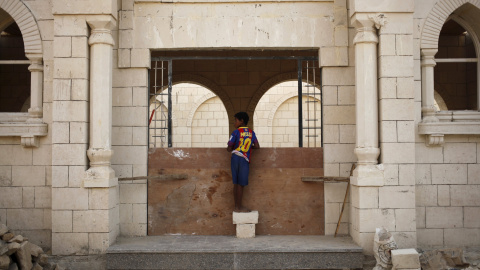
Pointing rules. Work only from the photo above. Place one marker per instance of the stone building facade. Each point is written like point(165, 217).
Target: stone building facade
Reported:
point(76, 108)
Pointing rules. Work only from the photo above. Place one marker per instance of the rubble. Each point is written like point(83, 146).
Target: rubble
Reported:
point(17, 253)
point(382, 246)
point(447, 258)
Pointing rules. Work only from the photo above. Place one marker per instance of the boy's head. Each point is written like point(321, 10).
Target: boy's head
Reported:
point(242, 117)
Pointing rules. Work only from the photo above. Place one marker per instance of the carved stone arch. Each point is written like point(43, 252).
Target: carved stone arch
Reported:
point(197, 79)
point(195, 107)
point(279, 103)
point(174, 117)
point(440, 101)
point(267, 85)
point(25, 20)
point(437, 18)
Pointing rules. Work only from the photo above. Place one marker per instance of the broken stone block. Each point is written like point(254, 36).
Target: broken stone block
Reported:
point(245, 218)
point(405, 259)
point(34, 249)
point(4, 262)
point(245, 230)
point(42, 260)
point(18, 239)
point(36, 266)
point(443, 259)
point(8, 236)
point(3, 248)
point(24, 257)
point(13, 266)
point(12, 248)
point(3, 229)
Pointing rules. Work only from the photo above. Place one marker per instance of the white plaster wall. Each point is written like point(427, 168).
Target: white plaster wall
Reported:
point(447, 179)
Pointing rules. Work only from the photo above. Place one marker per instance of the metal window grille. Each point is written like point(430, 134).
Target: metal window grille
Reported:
point(160, 104)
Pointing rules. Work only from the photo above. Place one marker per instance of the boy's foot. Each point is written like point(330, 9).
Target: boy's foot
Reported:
point(242, 210)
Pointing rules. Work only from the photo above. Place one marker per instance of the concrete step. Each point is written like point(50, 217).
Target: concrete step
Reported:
point(228, 252)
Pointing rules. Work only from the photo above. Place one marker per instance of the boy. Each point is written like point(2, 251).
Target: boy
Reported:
point(240, 145)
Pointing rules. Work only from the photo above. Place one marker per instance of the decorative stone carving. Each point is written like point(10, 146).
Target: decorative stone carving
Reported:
point(434, 139)
point(379, 19)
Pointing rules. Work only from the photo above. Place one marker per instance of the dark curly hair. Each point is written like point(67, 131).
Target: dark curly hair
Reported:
point(242, 116)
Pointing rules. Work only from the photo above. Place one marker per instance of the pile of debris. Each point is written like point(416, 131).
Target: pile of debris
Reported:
point(17, 253)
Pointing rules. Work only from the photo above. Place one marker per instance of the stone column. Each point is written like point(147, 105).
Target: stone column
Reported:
point(35, 112)
point(428, 108)
point(100, 153)
point(366, 93)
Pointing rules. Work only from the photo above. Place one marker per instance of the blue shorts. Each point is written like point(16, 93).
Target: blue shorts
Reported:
point(240, 168)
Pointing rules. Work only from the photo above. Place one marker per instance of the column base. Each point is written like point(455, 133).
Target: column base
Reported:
point(368, 176)
point(100, 177)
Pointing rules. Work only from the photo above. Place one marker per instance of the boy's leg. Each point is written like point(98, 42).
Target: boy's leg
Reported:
point(242, 182)
point(238, 190)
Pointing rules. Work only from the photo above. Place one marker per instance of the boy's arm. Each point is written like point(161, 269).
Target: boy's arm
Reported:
point(255, 145)
point(230, 148)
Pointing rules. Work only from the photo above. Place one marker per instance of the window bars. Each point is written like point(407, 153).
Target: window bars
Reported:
point(160, 105)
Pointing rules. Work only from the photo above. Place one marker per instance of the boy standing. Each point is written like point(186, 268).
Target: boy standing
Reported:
point(240, 145)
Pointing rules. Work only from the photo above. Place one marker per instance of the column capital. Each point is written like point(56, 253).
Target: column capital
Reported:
point(35, 62)
point(101, 27)
point(365, 24)
point(428, 57)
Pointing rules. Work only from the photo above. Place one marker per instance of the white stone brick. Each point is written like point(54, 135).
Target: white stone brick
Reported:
point(342, 115)
point(42, 155)
point(364, 197)
point(473, 174)
point(335, 192)
point(398, 152)
point(398, 23)
point(139, 136)
point(245, 230)
point(65, 111)
point(430, 237)
point(25, 219)
point(405, 220)
point(388, 131)
point(465, 195)
point(406, 131)
point(3, 216)
point(245, 218)
point(426, 195)
point(76, 175)
point(346, 95)
point(121, 135)
point(405, 88)
point(391, 174)
point(43, 197)
point(140, 58)
point(443, 195)
point(133, 229)
point(80, 89)
point(330, 95)
point(80, 47)
point(472, 217)
point(62, 47)
point(396, 66)
point(407, 175)
point(28, 197)
point(405, 259)
point(124, 59)
point(387, 88)
point(129, 116)
point(133, 193)
point(126, 213)
point(347, 133)
point(60, 132)
point(126, 19)
point(70, 243)
point(338, 76)
point(334, 56)
point(331, 134)
point(396, 109)
point(102, 198)
point(61, 89)
point(420, 217)
point(332, 212)
point(460, 153)
point(339, 153)
point(129, 155)
point(444, 217)
point(15, 155)
point(71, 68)
point(126, 39)
point(405, 239)
point(140, 213)
point(91, 221)
point(462, 237)
point(78, 132)
point(5, 176)
point(62, 199)
point(404, 44)
point(397, 197)
point(443, 174)
point(140, 96)
point(369, 219)
point(98, 243)
point(341, 36)
point(386, 45)
point(69, 154)
point(122, 96)
point(28, 176)
point(331, 169)
point(62, 221)
point(59, 176)
point(424, 154)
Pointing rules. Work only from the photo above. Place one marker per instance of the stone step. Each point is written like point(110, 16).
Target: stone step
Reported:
point(228, 252)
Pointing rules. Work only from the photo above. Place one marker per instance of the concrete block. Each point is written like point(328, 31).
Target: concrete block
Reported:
point(396, 109)
point(76, 175)
point(62, 199)
point(80, 47)
point(472, 217)
point(406, 174)
point(405, 259)
point(444, 217)
point(28, 197)
point(133, 193)
point(386, 45)
point(443, 174)
point(69, 243)
point(140, 58)
point(62, 47)
point(426, 195)
point(465, 195)
point(335, 192)
point(91, 221)
point(443, 195)
point(332, 212)
point(43, 197)
point(69, 154)
point(398, 153)
point(245, 218)
point(25, 219)
point(99, 242)
point(71, 68)
point(420, 217)
point(245, 230)
point(397, 197)
point(396, 66)
point(460, 153)
point(62, 221)
point(28, 176)
point(79, 132)
point(430, 237)
point(405, 220)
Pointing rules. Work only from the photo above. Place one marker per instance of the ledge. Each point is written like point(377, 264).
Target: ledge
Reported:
point(449, 128)
point(29, 132)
